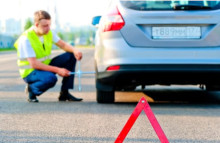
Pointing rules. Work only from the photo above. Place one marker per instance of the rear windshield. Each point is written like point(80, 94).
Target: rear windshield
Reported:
point(144, 5)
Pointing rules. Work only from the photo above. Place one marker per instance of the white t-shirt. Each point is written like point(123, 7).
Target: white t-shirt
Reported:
point(25, 49)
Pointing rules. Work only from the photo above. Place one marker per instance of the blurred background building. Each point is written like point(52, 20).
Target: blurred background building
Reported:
point(70, 19)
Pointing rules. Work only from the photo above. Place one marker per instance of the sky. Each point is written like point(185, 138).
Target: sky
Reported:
point(74, 12)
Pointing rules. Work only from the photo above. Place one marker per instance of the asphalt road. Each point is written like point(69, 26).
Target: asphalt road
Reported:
point(186, 114)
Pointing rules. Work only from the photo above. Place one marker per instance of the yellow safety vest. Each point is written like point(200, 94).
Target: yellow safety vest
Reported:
point(42, 51)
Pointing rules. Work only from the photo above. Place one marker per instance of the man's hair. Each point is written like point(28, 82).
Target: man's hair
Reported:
point(41, 14)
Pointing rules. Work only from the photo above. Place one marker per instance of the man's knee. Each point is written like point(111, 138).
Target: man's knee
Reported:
point(51, 79)
point(70, 57)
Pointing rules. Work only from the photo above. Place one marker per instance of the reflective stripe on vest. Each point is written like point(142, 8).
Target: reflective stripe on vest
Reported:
point(25, 67)
point(42, 55)
point(41, 59)
point(28, 66)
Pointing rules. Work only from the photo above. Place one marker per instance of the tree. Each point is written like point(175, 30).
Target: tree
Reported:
point(28, 24)
point(61, 35)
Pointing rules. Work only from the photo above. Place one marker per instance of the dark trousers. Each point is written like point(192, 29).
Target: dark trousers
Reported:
point(40, 81)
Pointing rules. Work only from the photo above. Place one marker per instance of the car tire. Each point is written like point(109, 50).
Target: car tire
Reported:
point(105, 96)
point(212, 87)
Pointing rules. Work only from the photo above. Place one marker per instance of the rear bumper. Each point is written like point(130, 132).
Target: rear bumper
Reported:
point(160, 74)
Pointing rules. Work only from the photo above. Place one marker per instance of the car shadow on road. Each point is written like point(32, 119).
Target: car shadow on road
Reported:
point(187, 96)
point(175, 101)
point(178, 95)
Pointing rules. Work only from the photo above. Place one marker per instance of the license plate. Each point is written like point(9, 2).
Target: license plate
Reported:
point(189, 32)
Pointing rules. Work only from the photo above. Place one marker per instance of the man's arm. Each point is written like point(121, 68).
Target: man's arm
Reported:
point(34, 63)
point(68, 48)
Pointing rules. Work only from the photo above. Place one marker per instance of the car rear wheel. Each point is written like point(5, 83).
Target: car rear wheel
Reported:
point(105, 96)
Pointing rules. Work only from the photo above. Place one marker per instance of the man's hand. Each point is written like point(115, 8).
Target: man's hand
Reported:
point(63, 72)
point(40, 66)
point(68, 48)
point(77, 54)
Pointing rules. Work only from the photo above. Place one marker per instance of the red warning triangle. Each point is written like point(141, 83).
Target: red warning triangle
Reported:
point(142, 105)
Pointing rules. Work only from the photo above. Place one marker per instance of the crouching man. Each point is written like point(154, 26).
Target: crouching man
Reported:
point(35, 66)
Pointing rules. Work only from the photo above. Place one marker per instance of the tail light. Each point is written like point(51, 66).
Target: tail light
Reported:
point(113, 68)
point(113, 21)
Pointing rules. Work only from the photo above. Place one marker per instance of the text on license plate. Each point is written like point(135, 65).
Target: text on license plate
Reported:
point(189, 32)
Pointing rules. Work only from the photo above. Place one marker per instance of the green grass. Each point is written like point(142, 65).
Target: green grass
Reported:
point(7, 49)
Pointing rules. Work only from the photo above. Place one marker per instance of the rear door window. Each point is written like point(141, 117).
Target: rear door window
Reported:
point(145, 5)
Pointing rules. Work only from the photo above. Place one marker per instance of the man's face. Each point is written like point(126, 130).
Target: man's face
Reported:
point(43, 27)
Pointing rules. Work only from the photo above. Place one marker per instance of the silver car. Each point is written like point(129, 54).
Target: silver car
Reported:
point(146, 42)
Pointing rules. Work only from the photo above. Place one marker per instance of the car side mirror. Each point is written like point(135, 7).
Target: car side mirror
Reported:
point(95, 20)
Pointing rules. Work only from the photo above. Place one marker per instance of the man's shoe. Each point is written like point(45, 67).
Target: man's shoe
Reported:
point(67, 96)
point(26, 90)
point(33, 100)
point(31, 96)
